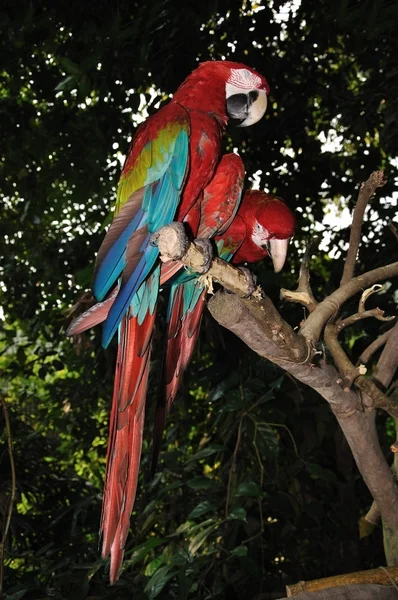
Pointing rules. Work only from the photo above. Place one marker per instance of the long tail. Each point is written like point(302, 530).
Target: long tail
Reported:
point(126, 423)
point(186, 305)
point(99, 312)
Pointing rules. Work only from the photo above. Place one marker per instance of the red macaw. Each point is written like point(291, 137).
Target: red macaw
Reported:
point(262, 227)
point(173, 158)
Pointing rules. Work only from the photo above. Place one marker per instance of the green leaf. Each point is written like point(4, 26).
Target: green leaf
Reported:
point(184, 527)
point(199, 538)
point(69, 66)
point(318, 472)
point(66, 84)
point(249, 488)
point(202, 509)
point(153, 566)
point(201, 483)
point(141, 551)
point(238, 514)
point(239, 551)
point(159, 580)
point(16, 595)
point(205, 452)
point(219, 391)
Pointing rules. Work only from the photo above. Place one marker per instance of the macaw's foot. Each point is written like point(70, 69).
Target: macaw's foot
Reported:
point(251, 281)
point(171, 240)
point(207, 249)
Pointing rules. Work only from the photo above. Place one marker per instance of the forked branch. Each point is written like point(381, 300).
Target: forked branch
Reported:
point(366, 191)
point(303, 294)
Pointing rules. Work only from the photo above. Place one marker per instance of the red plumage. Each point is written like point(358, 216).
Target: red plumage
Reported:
point(239, 241)
point(199, 106)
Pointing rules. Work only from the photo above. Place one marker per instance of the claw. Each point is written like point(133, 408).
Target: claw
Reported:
point(171, 240)
point(207, 248)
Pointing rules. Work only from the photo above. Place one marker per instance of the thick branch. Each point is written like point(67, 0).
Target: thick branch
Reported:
point(326, 309)
point(174, 245)
point(350, 592)
point(366, 191)
point(260, 326)
point(373, 576)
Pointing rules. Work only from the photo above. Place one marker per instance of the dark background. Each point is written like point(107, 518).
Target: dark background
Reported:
point(256, 487)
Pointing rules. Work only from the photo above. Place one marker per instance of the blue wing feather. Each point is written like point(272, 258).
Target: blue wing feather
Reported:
point(159, 206)
point(114, 261)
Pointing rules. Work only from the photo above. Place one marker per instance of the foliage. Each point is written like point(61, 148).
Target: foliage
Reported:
point(255, 487)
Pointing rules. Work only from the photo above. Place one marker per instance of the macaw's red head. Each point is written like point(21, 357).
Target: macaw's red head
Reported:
point(226, 89)
point(269, 226)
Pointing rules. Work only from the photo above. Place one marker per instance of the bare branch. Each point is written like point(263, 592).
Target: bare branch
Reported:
point(374, 347)
point(373, 514)
point(257, 322)
point(372, 576)
point(297, 297)
point(326, 309)
point(393, 230)
point(372, 396)
point(388, 361)
point(394, 447)
point(188, 254)
point(366, 191)
point(355, 591)
point(377, 313)
point(303, 294)
point(377, 287)
point(259, 326)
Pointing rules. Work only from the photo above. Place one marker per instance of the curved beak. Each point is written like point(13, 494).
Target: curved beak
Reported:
point(256, 109)
point(277, 249)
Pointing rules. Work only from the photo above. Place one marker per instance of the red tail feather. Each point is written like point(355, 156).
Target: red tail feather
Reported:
point(169, 269)
point(125, 436)
point(182, 334)
point(93, 316)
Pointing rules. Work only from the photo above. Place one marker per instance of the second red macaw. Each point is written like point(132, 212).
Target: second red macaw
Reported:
point(262, 227)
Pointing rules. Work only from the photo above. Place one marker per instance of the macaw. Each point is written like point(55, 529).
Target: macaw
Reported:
point(262, 227)
point(173, 158)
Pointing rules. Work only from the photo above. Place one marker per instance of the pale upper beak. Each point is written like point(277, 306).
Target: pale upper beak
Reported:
point(277, 249)
point(256, 110)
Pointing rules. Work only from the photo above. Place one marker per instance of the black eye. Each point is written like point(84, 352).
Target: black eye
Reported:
point(253, 95)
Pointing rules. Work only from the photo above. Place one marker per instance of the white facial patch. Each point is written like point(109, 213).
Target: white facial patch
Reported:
point(259, 234)
point(243, 79)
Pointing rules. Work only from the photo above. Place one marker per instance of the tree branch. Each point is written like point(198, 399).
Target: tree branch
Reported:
point(373, 576)
point(366, 191)
point(372, 396)
point(349, 592)
point(326, 309)
point(259, 325)
point(253, 323)
point(388, 361)
point(174, 245)
point(303, 294)
point(374, 347)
